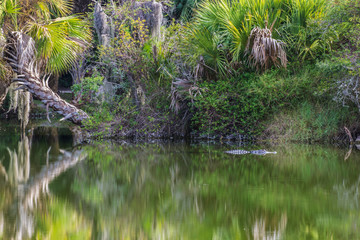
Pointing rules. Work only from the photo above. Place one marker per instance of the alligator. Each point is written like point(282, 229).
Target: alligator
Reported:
point(256, 152)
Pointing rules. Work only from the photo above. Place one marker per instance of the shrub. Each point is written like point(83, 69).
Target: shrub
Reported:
point(87, 89)
point(242, 104)
point(220, 30)
point(309, 122)
point(347, 23)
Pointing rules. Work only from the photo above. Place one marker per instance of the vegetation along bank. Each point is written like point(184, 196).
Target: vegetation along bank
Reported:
point(255, 69)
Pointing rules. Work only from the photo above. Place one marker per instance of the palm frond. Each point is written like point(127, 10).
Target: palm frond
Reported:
point(210, 47)
point(9, 11)
point(60, 7)
point(213, 14)
point(60, 41)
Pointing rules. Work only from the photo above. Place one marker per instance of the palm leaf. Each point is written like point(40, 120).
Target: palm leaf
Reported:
point(60, 41)
point(9, 10)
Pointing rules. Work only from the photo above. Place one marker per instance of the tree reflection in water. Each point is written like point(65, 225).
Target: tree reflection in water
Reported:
point(1, 224)
point(348, 196)
point(177, 191)
point(259, 229)
point(19, 168)
point(27, 193)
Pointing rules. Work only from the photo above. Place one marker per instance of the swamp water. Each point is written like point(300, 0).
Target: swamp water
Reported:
point(50, 189)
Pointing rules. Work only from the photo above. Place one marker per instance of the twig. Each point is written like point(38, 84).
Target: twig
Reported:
point(349, 134)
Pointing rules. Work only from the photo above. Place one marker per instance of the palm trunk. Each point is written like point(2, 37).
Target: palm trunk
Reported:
point(20, 55)
point(41, 91)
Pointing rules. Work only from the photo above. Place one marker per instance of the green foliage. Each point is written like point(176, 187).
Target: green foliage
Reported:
point(124, 54)
point(62, 221)
point(59, 37)
point(226, 41)
point(100, 116)
point(242, 105)
point(309, 122)
point(184, 9)
point(164, 55)
point(307, 31)
point(347, 22)
point(147, 68)
point(221, 29)
point(88, 88)
point(9, 11)
point(50, 42)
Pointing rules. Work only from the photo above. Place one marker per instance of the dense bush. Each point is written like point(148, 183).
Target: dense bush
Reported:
point(346, 20)
point(88, 89)
point(220, 31)
point(143, 68)
point(208, 67)
point(241, 105)
point(308, 122)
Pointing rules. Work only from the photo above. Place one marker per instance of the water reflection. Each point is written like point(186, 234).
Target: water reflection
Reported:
point(259, 231)
point(25, 193)
point(174, 191)
point(163, 191)
point(348, 194)
point(19, 168)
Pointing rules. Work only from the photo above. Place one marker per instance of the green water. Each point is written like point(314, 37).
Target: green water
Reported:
point(50, 189)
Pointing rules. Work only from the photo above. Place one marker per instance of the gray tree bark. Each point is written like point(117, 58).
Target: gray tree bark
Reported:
point(20, 56)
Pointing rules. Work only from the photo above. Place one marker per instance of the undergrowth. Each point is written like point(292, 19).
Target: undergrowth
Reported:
point(243, 104)
point(309, 122)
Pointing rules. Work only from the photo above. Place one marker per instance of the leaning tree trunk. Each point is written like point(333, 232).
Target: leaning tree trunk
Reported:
point(28, 78)
point(42, 91)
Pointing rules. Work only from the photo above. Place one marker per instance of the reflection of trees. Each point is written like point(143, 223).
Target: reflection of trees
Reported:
point(39, 184)
point(348, 196)
point(17, 176)
point(19, 168)
point(139, 185)
point(27, 192)
point(168, 192)
point(259, 231)
point(186, 199)
point(1, 224)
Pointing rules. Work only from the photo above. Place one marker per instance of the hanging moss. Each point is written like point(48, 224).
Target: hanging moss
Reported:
point(20, 101)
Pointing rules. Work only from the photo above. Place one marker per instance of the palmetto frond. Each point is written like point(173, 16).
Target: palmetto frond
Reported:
point(301, 11)
point(213, 14)
point(9, 11)
point(59, 41)
point(242, 24)
point(58, 38)
point(46, 9)
point(210, 47)
point(60, 7)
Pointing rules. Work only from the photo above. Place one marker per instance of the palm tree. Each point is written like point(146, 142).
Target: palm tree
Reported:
point(42, 39)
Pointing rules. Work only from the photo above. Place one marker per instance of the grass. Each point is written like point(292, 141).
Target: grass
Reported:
point(309, 122)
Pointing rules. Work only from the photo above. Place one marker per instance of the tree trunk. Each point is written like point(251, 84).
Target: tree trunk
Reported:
point(41, 91)
point(20, 54)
